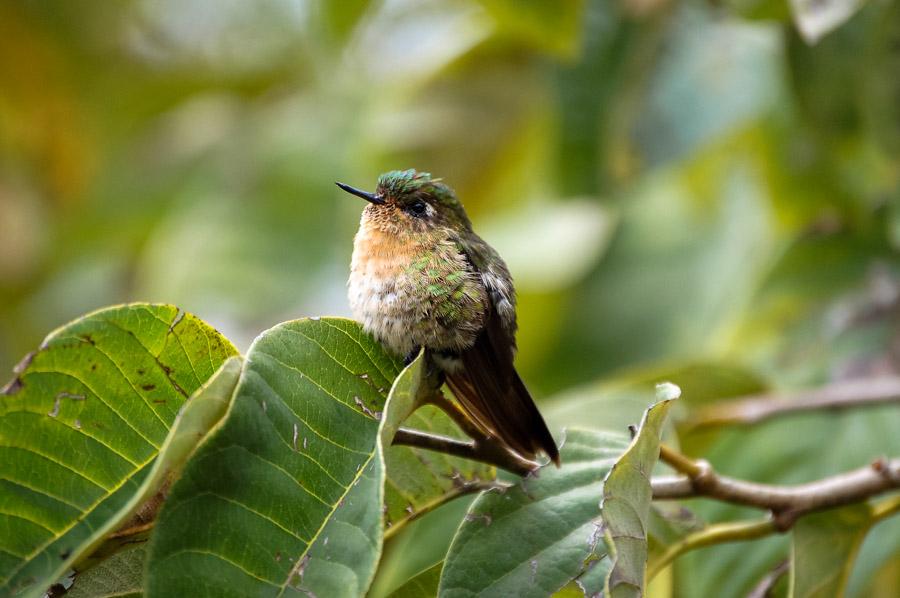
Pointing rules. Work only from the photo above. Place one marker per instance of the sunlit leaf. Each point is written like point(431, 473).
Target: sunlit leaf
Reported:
point(81, 424)
point(203, 410)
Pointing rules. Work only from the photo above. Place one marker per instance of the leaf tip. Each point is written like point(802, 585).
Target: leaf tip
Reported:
point(666, 391)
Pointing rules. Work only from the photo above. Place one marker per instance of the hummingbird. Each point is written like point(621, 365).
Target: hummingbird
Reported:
point(421, 278)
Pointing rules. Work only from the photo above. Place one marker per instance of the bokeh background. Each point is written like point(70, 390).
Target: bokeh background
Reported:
point(687, 189)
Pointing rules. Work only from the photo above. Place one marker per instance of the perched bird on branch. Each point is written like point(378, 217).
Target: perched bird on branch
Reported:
point(420, 277)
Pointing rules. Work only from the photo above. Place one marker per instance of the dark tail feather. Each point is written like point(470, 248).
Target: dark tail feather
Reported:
point(490, 390)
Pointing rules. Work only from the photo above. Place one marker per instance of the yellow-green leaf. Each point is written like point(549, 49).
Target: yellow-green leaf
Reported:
point(81, 424)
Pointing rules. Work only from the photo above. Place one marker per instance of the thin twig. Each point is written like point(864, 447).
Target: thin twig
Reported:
point(485, 452)
point(483, 447)
point(132, 531)
point(786, 503)
point(714, 534)
point(869, 392)
point(435, 442)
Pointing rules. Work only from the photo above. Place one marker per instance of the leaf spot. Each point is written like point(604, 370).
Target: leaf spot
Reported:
point(23, 365)
point(484, 516)
point(59, 397)
point(178, 318)
point(299, 570)
point(14, 386)
point(365, 409)
point(596, 534)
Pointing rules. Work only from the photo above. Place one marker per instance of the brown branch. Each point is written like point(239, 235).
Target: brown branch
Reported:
point(672, 488)
point(481, 449)
point(869, 392)
point(786, 503)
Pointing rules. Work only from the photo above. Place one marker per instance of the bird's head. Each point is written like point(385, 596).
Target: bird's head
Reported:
point(411, 201)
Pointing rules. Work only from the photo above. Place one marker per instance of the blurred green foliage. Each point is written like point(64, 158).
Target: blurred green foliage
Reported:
point(684, 190)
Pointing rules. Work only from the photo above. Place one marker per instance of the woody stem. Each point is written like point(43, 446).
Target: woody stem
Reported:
point(483, 450)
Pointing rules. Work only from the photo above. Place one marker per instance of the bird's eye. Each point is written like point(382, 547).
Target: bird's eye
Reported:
point(417, 208)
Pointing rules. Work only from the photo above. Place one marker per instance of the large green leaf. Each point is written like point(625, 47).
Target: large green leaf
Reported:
point(81, 424)
point(626, 500)
point(539, 534)
point(200, 414)
point(286, 497)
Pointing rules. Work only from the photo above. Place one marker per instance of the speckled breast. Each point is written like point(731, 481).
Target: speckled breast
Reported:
point(403, 291)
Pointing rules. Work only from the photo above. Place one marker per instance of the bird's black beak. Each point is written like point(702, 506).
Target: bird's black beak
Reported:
point(370, 197)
